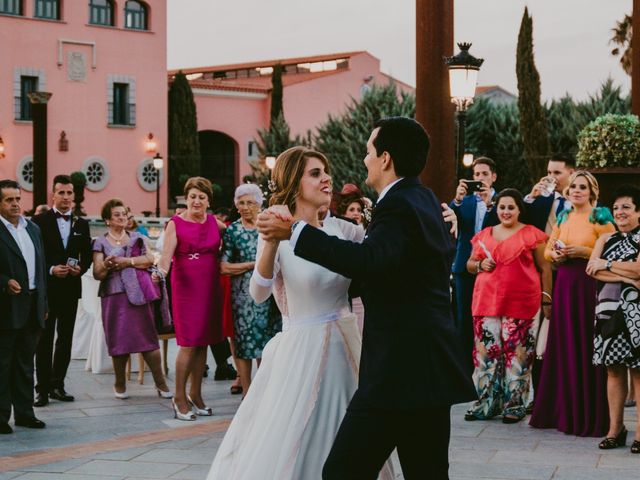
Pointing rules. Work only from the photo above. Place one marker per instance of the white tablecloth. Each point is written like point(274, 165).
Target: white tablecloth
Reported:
point(88, 335)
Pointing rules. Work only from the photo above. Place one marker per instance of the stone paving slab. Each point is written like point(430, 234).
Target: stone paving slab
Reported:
point(126, 469)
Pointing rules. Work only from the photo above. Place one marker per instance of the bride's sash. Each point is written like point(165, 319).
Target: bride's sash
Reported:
point(326, 317)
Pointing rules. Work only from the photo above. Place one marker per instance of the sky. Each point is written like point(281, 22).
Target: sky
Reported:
point(571, 37)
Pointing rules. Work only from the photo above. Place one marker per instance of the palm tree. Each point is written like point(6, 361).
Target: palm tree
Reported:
point(622, 39)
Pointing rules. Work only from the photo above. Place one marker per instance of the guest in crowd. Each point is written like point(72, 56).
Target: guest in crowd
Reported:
point(133, 226)
point(474, 211)
point(191, 245)
point(253, 324)
point(67, 248)
point(511, 274)
point(127, 299)
point(615, 264)
point(545, 202)
point(40, 209)
point(23, 303)
point(352, 206)
point(572, 393)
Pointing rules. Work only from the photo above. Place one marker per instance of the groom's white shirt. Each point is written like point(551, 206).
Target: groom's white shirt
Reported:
point(295, 234)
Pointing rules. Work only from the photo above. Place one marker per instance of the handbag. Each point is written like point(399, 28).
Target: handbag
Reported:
point(611, 326)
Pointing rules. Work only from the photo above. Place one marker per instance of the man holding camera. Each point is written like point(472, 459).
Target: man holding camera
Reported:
point(473, 205)
point(67, 247)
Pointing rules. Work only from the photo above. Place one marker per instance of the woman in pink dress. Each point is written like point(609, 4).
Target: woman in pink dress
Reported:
point(192, 243)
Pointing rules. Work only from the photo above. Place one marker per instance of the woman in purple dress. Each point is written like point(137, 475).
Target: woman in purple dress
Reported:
point(128, 313)
point(191, 247)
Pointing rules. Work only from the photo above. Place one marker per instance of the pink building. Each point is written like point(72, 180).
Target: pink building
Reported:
point(104, 61)
point(234, 101)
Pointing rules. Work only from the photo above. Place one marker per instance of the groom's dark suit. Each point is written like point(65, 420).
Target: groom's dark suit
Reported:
point(410, 369)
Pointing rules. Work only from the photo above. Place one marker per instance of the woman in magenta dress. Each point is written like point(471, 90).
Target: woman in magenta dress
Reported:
point(192, 243)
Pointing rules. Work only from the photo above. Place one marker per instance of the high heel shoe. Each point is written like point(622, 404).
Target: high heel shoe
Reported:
point(635, 446)
point(122, 396)
point(202, 412)
point(163, 394)
point(619, 440)
point(187, 417)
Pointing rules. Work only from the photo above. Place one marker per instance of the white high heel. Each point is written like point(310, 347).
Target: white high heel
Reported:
point(202, 412)
point(187, 417)
point(122, 396)
point(163, 394)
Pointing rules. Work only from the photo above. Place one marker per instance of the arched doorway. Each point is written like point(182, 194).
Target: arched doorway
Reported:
point(219, 152)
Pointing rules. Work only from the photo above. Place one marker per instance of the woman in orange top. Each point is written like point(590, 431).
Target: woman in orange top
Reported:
point(572, 394)
point(512, 275)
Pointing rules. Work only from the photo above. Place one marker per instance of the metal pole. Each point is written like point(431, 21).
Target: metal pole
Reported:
point(39, 102)
point(461, 117)
point(157, 193)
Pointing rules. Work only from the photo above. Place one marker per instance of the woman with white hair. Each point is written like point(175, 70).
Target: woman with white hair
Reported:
point(253, 326)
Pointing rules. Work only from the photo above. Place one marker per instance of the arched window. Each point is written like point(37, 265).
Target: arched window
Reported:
point(101, 12)
point(11, 7)
point(135, 15)
point(47, 9)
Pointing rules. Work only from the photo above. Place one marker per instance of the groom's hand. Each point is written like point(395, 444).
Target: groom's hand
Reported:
point(273, 228)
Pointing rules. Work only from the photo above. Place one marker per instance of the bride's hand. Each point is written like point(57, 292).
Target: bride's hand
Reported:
point(272, 228)
point(281, 211)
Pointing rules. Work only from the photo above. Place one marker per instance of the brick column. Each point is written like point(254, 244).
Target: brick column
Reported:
point(434, 110)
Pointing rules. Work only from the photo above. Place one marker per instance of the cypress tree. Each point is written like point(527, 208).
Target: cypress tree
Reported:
point(533, 123)
point(276, 95)
point(184, 145)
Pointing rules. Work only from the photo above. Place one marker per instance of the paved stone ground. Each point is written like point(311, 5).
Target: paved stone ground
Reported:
point(100, 437)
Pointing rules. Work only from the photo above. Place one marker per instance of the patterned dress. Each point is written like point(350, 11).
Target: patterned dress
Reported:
point(254, 324)
point(624, 347)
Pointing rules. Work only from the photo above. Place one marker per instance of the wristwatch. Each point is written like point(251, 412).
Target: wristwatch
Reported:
point(608, 264)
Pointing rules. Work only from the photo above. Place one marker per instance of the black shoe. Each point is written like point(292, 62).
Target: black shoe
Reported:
point(529, 409)
point(635, 446)
point(60, 394)
point(31, 422)
point(470, 417)
point(5, 429)
point(619, 440)
point(225, 372)
point(42, 400)
point(510, 419)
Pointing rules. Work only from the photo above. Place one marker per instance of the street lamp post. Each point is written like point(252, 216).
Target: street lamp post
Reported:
point(463, 78)
point(158, 163)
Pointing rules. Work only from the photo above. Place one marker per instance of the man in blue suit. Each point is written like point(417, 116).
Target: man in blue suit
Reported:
point(474, 211)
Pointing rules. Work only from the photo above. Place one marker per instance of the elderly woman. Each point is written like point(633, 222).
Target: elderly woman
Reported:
point(191, 245)
point(572, 394)
point(253, 325)
point(120, 261)
point(352, 206)
point(614, 264)
point(512, 279)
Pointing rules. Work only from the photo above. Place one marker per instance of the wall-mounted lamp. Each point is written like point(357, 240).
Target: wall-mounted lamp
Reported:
point(150, 144)
point(271, 162)
point(1, 148)
point(63, 143)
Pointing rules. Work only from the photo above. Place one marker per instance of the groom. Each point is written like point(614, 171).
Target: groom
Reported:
point(410, 369)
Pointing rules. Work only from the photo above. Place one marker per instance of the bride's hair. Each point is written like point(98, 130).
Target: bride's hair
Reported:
point(287, 173)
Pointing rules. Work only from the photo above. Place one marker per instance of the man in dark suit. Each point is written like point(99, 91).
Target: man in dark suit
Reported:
point(23, 308)
point(67, 247)
point(410, 367)
point(474, 211)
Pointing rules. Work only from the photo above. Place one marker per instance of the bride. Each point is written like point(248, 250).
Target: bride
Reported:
point(286, 424)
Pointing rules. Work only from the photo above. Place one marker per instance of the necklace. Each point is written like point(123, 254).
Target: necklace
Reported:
point(117, 239)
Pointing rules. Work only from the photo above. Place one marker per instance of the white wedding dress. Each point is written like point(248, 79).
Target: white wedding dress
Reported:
point(285, 426)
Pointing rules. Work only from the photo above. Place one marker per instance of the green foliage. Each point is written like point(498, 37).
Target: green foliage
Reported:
point(533, 123)
point(276, 94)
point(78, 179)
point(184, 145)
point(622, 35)
point(344, 138)
point(611, 140)
point(493, 131)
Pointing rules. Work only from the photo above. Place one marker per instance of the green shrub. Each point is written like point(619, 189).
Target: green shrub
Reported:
point(611, 140)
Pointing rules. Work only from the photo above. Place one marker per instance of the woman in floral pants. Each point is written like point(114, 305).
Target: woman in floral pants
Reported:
point(513, 281)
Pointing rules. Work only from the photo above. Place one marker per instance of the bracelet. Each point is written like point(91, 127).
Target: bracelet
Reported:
point(547, 295)
point(133, 263)
point(478, 266)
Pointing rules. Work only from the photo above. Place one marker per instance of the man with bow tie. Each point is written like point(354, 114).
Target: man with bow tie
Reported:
point(67, 246)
